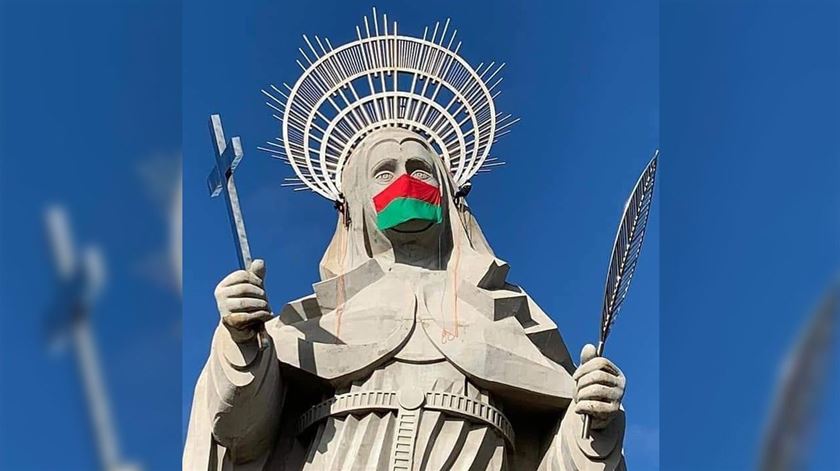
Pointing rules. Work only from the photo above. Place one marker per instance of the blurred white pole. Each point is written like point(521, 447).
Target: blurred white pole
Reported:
point(98, 405)
point(792, 420)
point(85, 281)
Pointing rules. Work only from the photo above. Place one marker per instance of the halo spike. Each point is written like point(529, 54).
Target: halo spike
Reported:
point(449, 46)
point(375, 22)
point(303, 53)
point(274, 108)
point(282, 93)
point(443, 34)
point(277, 100)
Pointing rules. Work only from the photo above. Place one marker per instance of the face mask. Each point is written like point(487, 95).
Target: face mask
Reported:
point(407, 199)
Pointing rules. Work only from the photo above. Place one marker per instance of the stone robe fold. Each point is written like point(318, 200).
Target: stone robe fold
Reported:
point(244, 415)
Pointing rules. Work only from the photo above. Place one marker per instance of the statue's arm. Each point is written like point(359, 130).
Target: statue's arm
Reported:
point(599, 388)
point(569, 451)
point(244, 394)
point(244, 390)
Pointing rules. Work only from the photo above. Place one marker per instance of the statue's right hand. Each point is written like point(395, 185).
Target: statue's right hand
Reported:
point(242, 301)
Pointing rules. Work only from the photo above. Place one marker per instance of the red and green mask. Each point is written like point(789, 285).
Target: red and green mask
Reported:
point(406, 199)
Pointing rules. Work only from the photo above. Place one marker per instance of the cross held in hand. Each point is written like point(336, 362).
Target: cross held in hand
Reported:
point(221, 181)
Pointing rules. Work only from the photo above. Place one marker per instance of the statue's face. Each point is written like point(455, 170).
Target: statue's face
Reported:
point(397, 156)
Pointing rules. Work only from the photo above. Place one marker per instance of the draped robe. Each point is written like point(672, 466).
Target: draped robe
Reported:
point(244, 414)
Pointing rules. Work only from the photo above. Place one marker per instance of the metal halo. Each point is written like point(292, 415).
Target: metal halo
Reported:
point(385, 79)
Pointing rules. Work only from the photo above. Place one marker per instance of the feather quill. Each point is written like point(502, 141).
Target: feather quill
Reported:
point(625, 254)
point(626, 249)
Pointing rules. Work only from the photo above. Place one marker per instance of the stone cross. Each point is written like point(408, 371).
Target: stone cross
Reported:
point(79, 284)
point(221, 181)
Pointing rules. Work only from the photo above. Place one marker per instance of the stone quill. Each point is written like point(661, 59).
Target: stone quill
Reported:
point(625, 254)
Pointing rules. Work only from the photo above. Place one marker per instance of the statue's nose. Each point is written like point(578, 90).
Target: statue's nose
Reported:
point(399, 172)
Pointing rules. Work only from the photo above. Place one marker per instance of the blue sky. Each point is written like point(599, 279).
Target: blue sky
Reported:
point(582, 76)
point(89, 98)
point(750, 111)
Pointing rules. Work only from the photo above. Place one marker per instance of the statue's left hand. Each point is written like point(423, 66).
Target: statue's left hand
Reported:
point(599, 388)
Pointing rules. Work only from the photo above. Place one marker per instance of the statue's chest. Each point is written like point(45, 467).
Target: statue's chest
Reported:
point(418, 348)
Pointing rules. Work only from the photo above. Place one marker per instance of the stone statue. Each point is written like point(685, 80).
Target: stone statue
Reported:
point(414, 352)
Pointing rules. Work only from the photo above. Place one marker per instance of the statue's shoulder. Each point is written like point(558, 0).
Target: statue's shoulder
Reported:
point(511, 301)
point(505, 344)
point(545, 335)
point(299, 310)
point(346, 326)
point(328, 294)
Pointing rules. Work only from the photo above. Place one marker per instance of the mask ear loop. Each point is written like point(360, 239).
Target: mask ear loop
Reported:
point(448, 335)
point(441, 182)
point(460, 199)
point(456, 250)
point(341, 289)
point(341, 206)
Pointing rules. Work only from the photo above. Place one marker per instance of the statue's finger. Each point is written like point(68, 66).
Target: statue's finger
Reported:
point(597, 409)
point(612, 368)
point(263, 316)
point(234, 277)
point(600, 377)
point(246, 304)
point(597, 363)
point(240, 276)
point(598, 392)
point(237, 319)
point(587, 353)
point(258, 268)
point(244, 319)
point(242, 290)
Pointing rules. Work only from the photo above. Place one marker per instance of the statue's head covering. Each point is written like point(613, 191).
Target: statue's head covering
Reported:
point(350, 96)
point(357, 238)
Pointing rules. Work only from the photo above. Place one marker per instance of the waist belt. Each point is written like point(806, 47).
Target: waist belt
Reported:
point(408, 403)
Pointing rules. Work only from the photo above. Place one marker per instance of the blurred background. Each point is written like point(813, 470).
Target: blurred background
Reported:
point(91, 123)
point(750, 204)
point(728, 338)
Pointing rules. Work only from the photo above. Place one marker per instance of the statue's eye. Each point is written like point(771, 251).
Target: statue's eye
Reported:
point(384, 176)
point(421, 175)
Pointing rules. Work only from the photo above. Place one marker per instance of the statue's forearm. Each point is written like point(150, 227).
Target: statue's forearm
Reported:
point(245, 395)
point(570, 452)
